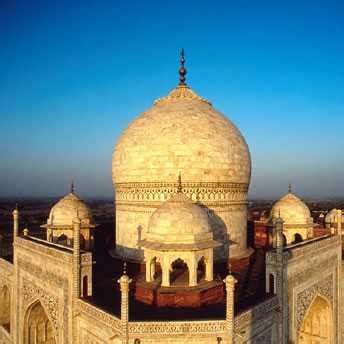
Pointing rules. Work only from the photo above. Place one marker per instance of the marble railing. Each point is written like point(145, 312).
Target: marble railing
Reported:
point(99, 315)
point(177, 327)
point(255, 313)
point(5, 267)
point(5, 337)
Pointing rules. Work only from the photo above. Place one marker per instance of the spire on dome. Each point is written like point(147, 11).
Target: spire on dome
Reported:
point(182, 70)
point(72, 187)
point(289, 188)
point(180, 187)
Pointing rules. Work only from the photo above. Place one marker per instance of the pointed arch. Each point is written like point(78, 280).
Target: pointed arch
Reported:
point(201, 268)
point(179, 272)
point(62, 240)
point(5, 307)
point(38, 328)
point(297, 238)
point(317, 325)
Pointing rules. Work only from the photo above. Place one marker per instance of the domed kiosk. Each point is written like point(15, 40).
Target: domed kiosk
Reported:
point(179, 239)
point(181, 133)
point(297, 220)
point(331, 219)
point(59, 226)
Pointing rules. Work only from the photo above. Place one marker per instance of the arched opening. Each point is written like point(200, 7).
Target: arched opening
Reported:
point(62, 240)
point(82, 241)
point(38, 328)
point(85, 286)
point(201, 269)
point(179, 273)
point(271, 284)
point(297, 238)
point(284, 240)
point(317, 326)
point(155, 268)
point(5, 308)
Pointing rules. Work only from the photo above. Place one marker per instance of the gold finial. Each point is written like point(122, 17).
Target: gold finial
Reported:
point(289, 188)
point(72, 187)
point(16, 208)
point(124, 268)
point(180, 187)
point(182, 70)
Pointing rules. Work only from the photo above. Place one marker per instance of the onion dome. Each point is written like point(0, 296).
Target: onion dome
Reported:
point(179, 224)
point(332, 217)
point(67, 209)
point(292, 210)
point(181, 132)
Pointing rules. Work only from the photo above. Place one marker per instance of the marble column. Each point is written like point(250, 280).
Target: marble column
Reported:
point(124, 282)
point(209, 274)
point(15, 222)
point(76, 257)
point(192, 272)
point(152, 269)
point(230, 282)
point(148, 270)
point(165, 275)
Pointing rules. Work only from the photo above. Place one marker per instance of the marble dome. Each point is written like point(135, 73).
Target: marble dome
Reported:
point(68, 208)
point(292, 210)
point(179, 221)
point(332, 216)
point(181, 133)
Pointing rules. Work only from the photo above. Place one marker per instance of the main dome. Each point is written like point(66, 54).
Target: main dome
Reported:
point(181, 133)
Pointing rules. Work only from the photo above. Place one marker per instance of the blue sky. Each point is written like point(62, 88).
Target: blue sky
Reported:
point(73, 74)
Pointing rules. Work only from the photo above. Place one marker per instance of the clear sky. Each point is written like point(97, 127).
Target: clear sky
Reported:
point(73, 74)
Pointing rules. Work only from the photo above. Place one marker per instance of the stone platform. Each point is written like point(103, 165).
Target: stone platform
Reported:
point(179, 294)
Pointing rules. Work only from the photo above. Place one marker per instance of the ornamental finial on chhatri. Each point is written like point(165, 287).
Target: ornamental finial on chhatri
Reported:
point(72, 186)
point(182, 70)
point(289, 188)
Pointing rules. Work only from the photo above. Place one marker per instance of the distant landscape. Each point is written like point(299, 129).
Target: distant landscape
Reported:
point(35, 211)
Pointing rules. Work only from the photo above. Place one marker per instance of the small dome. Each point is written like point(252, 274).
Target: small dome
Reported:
point(180, 221)
point(68, 208)
point(332, 216)
point(292, 210)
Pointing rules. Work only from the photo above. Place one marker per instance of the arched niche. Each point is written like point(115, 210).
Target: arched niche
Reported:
point(5, 307)
point(317, 326)
point(38, 328)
